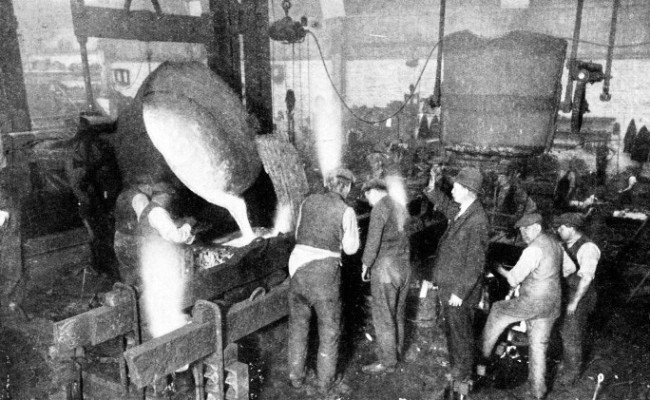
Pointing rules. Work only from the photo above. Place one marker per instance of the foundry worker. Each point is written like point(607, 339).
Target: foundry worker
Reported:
point(511, 197)
point(565, 196)
point(459, 264)
point(326, 225)
point(386, 254)
point(130, 203)
point(565, 189)
point(626, 196)
point(581, 256)
point(537, 275)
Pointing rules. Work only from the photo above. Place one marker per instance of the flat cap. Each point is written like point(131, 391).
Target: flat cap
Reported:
point(342, 173)
point(374, 183)
point(574, 219)
point(528, 219)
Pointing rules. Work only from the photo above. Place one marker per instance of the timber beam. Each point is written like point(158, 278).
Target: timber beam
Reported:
point(117, 317)
point(140, 25)
point(204, 338)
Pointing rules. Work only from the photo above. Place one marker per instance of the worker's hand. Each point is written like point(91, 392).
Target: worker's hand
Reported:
point(4, 217)
point(186, 232)
point(571, 308)
point(365, 273)
point(455, 301)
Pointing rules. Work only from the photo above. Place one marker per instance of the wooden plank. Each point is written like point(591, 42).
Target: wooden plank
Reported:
point(247, 317)
point(140, 25)
point(165, 354)
point(93, 327)
point(55, 241)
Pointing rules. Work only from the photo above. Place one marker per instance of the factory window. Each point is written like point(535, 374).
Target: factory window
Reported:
point(122, 76)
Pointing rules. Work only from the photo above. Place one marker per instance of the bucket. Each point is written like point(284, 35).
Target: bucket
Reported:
point(422, 311)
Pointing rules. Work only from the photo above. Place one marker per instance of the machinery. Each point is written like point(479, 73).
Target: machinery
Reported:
point(214, 271)
point(189, 128)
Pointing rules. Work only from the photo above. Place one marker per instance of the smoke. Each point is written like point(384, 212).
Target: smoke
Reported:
point(283, 221)
point(397, 191)
point(328, 134)
point(162, 268)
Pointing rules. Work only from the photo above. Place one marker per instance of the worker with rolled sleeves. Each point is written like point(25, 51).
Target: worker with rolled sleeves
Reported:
point(537, 274)
point(581, 256)
point(459, 264)
point(386, 253)
point(326, 225)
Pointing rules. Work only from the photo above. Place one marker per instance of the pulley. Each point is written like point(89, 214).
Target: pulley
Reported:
point(286, 30)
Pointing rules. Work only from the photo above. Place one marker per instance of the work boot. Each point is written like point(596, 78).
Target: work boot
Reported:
point(297, 383)
point(335, 387)
point(377, 368)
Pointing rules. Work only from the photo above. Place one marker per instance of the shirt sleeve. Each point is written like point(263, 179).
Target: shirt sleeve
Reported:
point(529, 260)
point(138, 203)
point(378, 218)
point(163, 223)
point(588, 257)
point(350, 241)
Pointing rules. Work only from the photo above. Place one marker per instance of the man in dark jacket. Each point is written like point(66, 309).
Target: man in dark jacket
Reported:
point(387, 254)
point(326, 225)
point(459, 264)
point(537, 275)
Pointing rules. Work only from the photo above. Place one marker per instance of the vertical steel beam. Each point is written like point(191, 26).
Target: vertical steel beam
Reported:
point(257, 61)
point(223, 51)
point(90, 99)
point(12, 81)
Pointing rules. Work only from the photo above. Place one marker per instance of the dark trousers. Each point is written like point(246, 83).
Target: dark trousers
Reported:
point(458, 327)
point(315, 285)
point(389, 286)
point(538, 331)
point(572, 332)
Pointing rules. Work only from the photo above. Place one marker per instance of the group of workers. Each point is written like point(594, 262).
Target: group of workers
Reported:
point(553, 278)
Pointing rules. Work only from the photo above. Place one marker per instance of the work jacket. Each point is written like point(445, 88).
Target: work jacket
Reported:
point(460, 257)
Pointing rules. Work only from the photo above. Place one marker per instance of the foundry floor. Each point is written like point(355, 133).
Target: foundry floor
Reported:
point(620, 340)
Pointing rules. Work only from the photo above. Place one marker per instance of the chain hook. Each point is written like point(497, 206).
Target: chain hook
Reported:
point(286, 5)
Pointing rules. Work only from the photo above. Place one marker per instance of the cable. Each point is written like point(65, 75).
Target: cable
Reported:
point(401, 108)
point(293, 66)
point(309, 84)
point(604, 44)
point(300, 78)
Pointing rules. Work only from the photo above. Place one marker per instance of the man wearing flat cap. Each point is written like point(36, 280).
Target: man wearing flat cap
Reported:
point(537, 274)
point(326, 225)
point(386, 253)
point(581, 256)
point(458, 264)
